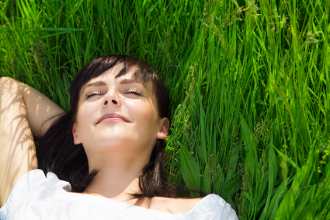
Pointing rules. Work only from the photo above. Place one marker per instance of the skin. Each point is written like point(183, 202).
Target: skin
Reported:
point(23, 112)
point(111, 146)
point(115, 139)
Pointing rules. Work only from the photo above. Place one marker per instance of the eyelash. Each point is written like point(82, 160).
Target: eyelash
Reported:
point(92, 93)
point(134, 91)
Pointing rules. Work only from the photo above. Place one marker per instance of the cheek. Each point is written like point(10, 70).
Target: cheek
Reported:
point(85, 113)
point(146, 114)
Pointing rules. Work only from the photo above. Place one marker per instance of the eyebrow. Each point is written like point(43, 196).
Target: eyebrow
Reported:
point(124, 81)
point(128, 81)
point(98, 83)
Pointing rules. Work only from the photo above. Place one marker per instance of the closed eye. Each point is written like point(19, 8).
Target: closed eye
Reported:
point(134, 91)
point(93, 93)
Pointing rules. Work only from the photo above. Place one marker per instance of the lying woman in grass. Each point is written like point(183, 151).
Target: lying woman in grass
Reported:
point(103, 159)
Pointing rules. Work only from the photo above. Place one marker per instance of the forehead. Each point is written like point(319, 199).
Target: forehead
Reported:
point(125, 76)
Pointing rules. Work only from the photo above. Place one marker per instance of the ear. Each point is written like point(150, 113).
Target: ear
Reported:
point(76, 139)
point(163, 130)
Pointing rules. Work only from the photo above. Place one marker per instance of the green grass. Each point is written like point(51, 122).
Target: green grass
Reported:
point(249, 85)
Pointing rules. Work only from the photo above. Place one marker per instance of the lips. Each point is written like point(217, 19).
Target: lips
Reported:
point(110, 116)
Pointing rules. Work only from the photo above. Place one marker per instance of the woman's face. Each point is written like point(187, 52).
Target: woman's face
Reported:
point(118, 115)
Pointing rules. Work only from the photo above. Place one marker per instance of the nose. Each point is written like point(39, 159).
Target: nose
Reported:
point(111, 98)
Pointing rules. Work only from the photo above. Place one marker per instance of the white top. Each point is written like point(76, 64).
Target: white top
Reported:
point(38, 197)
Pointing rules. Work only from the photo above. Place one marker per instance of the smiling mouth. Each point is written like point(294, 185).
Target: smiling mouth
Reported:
point(113, 117)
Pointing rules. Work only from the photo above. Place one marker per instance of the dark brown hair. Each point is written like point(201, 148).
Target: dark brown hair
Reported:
point(57, 152)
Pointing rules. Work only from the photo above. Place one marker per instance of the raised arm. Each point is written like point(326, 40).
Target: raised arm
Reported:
point(24, 112)
point(41, 111)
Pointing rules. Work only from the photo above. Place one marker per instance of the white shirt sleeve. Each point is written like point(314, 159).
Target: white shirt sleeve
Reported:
point(212, 207)
point(23, 189)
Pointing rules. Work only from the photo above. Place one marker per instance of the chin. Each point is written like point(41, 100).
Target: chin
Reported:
point(114, 143)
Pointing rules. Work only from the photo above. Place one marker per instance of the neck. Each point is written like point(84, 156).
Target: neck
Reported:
point(116, 179)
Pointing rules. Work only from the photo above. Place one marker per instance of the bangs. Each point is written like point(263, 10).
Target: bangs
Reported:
point(98, 66)
point(143, 72)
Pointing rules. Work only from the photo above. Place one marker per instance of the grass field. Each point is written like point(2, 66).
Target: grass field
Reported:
point(249, 83)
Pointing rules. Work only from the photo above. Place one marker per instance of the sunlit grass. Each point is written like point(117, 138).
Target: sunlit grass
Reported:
point(249, 84)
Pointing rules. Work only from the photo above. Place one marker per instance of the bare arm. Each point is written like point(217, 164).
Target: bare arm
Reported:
point(23, 112)
point(41, 111)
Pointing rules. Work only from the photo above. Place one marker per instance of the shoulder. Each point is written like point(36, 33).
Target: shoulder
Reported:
point(178, 205)
point(168, 205)
point(211, 207)
point(22, 190)
point(217, 208)
point(34, 184)
point(36, 180)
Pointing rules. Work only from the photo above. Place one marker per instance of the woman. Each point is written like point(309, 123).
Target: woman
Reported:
point(103, 158)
